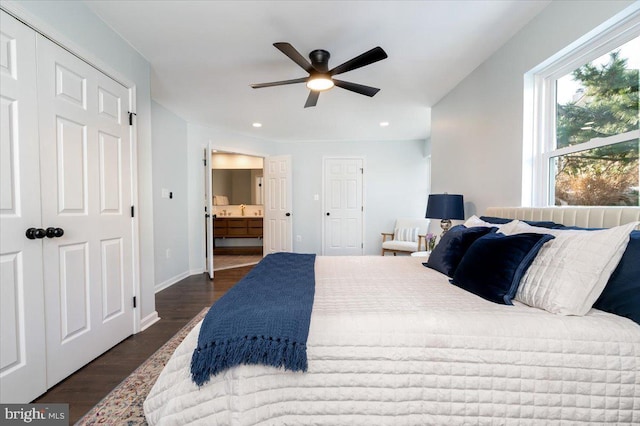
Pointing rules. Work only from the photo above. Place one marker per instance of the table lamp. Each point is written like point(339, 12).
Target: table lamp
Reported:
point(445, 207)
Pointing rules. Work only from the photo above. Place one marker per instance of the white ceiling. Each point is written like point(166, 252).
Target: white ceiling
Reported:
point(204, 55)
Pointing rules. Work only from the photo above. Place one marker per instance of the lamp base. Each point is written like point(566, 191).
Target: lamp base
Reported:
point(445, 224)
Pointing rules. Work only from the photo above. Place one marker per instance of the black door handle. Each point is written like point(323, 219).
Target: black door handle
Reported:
point(287, 214)
point(33, 233)
point(55, 232)
point(328, 214)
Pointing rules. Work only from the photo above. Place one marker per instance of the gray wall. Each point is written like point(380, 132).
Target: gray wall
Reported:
point(76, 27)
point(477, 130)
point(170, 216)
point(396, 184)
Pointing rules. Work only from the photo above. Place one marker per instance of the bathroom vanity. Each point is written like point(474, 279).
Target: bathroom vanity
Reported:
point(237, 227)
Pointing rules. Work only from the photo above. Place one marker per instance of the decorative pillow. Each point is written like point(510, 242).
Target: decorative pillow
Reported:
point(570, 272)
point(476, 221)
point(621, 296)
point(540, 223)
point(495, 263)
point(406, 234)
point(452, 246)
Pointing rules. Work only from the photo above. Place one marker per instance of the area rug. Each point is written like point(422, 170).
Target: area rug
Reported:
point(123, 405)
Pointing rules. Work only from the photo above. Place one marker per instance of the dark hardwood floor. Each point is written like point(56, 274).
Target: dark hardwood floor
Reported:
point(176, 305)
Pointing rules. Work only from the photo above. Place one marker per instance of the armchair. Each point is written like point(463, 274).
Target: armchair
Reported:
point(408, 236)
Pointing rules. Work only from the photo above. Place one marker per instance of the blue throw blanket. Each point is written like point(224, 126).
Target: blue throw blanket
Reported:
point(263, 319)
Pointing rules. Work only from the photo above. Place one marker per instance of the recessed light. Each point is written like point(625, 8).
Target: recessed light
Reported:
point(384, 123)
point(257, 124)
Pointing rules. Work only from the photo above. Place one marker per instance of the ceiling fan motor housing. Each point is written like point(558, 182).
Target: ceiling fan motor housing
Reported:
point(320, 60)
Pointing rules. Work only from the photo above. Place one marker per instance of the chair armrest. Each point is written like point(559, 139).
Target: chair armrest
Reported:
point(385, 235)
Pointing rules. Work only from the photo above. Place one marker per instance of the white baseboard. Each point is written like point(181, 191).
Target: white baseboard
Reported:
point(171, 281)
point(149, 320)
point(196, 271)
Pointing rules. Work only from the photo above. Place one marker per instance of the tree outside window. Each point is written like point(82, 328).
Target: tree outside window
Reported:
point(595, 160)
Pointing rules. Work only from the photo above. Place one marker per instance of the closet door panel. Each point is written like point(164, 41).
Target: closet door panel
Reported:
point(71, 158)
point(22, 354)
point(88, 272)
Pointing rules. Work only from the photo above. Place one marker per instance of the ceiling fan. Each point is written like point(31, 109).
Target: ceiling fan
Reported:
point(321, 77)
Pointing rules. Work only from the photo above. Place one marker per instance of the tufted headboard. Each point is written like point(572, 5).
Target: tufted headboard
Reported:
point(583, 216)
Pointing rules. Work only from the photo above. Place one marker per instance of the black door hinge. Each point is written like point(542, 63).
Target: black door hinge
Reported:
point(131, 114)
point(132, 212)
point(204, 160)
point(134, 302)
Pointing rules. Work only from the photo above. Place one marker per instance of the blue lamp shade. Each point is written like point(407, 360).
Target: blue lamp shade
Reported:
point(445, 206)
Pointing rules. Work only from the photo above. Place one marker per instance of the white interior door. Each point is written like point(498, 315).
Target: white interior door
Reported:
point(85, 161)
point(208, 184)
point(22, 354)
point(277, 207)
point(343, 206)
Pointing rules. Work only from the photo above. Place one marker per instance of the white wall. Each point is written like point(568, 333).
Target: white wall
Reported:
point(75, 26)
point(170, 215)
point(477, 129)
point(396, 180)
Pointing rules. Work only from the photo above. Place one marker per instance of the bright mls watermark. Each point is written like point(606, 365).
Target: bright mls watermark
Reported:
point(34, 414)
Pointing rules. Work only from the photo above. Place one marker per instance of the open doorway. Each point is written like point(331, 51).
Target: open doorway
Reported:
point(237, 209)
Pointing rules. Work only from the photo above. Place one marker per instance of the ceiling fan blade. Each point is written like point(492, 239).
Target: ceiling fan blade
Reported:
point(279, 83)
point(374, 55)
point(355, 87)
point(312, 100)
point(295, 56)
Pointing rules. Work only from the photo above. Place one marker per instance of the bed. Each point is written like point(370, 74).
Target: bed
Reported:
point(392, 342)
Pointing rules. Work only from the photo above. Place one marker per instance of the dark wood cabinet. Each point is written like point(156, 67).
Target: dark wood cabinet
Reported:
point(234, 227)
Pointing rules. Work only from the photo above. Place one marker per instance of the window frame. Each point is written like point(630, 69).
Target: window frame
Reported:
point(539, 125)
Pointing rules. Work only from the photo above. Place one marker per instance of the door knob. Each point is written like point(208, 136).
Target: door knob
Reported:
point(55, 232)
point(287, 214)
point(33, 233)
point(328, 214)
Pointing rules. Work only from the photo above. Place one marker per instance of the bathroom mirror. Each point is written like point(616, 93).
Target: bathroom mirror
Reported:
point(241, 186)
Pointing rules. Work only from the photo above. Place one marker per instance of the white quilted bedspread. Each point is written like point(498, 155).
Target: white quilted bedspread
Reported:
point(393, 343)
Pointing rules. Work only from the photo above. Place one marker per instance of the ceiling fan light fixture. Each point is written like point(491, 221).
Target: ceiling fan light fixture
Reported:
point(319, 83)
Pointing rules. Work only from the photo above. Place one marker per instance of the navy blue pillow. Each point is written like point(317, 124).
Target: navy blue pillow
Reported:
point(621, 296)
point(539, 223)
point(452, 246)
point(495, 263)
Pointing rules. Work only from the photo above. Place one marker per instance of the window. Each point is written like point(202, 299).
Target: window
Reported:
point(586, 123)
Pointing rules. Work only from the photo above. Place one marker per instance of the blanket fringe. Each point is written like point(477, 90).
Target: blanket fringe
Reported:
point(218, 356)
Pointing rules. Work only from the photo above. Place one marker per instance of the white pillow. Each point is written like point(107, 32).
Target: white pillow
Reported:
point(406, 234)
point(511, 228)
point(474, 221)
point(570, 272)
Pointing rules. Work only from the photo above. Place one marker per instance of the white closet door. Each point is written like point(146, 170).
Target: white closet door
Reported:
point(22, 357)
point(277, 208)
point(85, 155)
